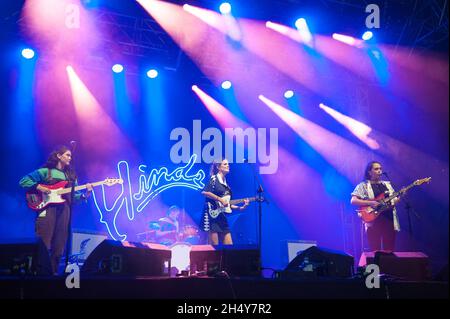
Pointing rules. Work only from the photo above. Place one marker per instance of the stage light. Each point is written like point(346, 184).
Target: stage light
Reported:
point(194, 87)
point(28, 53)
point(117, 68)
point(348, 40)
point(152, 73)
point(226, 85)
point(367, 35)
point(359, 129)
point(225, 8)
point(303, 29)
point(288, 94)
point(300, 23)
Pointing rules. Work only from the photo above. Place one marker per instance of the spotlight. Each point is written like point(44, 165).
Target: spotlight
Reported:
point(226, 85)
point(346, 39)
point(28, 53)
point(303, 29)
point(300, 24)
point(367, 35)
point(225, 8)
point(152, 73)
point(117, 68)
point(288, 94)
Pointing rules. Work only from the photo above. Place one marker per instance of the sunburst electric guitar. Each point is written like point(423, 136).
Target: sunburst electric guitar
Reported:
point(369, 214)
point(38, 200)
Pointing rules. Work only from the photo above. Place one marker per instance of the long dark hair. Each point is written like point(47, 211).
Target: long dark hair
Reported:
point(53, 160)
point(214, 169)
point(369, 168)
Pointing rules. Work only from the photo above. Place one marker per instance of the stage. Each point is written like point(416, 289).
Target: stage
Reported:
point(209, 288)
point(144, 139)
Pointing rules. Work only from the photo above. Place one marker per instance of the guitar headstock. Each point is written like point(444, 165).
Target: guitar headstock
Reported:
point(421, 181)
point(112, 181)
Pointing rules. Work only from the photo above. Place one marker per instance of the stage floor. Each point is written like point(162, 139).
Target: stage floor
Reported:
point(113, 287)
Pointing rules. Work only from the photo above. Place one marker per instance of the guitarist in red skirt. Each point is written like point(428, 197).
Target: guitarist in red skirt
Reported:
point(381, 232)
point(52, 222)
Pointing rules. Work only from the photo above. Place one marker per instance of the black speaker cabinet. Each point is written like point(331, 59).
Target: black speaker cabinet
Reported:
point(235, 260)
point(128, 258)
point(404, 265)
point(321, 262)
point(24, 257)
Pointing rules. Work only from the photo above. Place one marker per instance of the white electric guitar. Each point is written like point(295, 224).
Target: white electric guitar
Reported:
point(215, 209)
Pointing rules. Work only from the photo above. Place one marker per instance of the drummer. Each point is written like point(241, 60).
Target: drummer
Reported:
point(169, 230)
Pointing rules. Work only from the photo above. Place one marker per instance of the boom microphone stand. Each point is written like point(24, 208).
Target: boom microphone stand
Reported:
point(260, 192)
point(409, 208)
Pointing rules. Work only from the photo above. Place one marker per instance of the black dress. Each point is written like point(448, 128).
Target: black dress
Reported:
point(220, 223)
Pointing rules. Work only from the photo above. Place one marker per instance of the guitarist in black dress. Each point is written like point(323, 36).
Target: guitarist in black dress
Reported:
point(216, 188)
point(52, 222)
point(381, 232)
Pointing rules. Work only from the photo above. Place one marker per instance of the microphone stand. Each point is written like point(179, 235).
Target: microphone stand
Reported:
point(260, 192)
point(409, 208)
point(69, 223)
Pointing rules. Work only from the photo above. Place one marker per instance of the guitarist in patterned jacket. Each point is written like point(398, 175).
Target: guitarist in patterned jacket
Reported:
point(214, 191)
point(52, 223)
point(381, 232)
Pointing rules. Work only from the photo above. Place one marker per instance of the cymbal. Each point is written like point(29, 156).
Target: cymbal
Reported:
point(154, 225)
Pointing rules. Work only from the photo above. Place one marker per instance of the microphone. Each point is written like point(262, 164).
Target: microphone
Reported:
point(73, 145)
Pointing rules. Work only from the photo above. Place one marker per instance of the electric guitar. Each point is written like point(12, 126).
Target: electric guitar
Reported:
point(215, 209)
point(38, 200)
point(369, 214)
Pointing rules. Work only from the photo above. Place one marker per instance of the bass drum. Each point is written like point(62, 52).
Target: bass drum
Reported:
point(180, 257)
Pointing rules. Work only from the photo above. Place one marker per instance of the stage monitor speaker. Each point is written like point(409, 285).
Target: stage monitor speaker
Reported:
point(321, 262)
point(404, 265)
point(235, 260)
point(83, 244)
point(128, 258)
point(292, 248)
point(24, 257)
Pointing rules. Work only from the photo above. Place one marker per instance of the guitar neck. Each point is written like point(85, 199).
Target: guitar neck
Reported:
point(238, 201)
point(78, 188)
point(404, 189)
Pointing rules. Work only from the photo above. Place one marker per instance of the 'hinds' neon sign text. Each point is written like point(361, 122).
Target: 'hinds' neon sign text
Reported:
point(157, 181)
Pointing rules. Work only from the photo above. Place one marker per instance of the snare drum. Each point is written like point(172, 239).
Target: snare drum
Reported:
point(190, 230)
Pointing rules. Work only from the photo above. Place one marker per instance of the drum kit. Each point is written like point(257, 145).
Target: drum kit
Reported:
point(163, 232)
point(188, 234)
point(179, 237)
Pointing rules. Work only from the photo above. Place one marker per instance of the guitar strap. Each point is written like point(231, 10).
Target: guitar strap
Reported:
point(50, 180)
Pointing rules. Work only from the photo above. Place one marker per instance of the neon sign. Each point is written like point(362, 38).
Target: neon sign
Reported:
point(150, 186)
